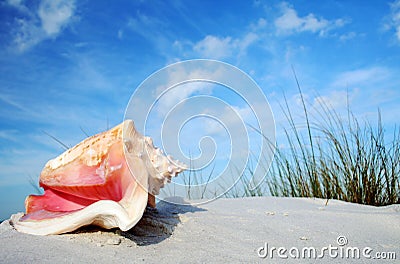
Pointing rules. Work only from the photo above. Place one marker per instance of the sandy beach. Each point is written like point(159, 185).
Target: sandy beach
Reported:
point(225, 231)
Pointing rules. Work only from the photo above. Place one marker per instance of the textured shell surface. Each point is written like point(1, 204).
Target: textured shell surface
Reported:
point(106, 180)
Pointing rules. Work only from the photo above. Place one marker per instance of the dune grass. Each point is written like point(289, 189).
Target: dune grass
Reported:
point(329, 155)
point(336, 157)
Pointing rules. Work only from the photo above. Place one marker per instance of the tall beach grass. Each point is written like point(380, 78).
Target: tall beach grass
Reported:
point(327, 155)
point(333, 156)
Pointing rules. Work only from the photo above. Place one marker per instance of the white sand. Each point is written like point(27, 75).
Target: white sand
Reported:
point(224, 231)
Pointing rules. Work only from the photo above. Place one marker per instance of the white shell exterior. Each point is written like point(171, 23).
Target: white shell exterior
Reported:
point(149, 167)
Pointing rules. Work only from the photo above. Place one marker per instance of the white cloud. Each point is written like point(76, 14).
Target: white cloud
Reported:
point(336, 99)
point(144, 25)
point(214, 47)
point(173, 96)
point(10, 100)
point(289, 22)
point(55, 15)
point(50, 18)
point(15, 3)
point(291, 52)
point(18, 4)
point(246, 41)
point(179, 93)
point(231, 116)
point(154, 29)
point(120, 34)
point(361, 76)
point(348, 36)
point(27, 34)
point(9, 134)
point(395, 18)
point(261, 23)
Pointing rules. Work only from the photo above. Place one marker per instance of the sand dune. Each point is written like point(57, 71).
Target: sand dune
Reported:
point(225, 231)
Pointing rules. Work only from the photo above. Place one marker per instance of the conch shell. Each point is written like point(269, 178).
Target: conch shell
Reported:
point(106, 180)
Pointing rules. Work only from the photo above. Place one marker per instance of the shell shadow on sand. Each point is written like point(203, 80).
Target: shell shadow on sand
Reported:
point(156, 225)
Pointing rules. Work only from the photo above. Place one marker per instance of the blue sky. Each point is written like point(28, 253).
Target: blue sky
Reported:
point(71, 66)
